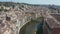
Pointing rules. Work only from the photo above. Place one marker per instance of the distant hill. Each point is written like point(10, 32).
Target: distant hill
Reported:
point(14, 4)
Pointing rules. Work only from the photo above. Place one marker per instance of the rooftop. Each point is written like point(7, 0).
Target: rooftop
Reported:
point(54, 23)
point(56, 16)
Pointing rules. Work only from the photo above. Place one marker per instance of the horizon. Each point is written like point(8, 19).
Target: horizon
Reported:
point(38, 2)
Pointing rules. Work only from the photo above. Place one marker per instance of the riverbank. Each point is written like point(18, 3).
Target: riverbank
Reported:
point(31, 27)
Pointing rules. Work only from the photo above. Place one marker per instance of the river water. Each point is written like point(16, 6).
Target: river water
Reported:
point(33, 28)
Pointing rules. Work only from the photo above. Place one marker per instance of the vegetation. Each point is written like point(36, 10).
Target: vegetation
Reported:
point(40, 27)
point(5, 10)
point(36, 20)
point(32, 23)
point(1, 10)
point(39, 31)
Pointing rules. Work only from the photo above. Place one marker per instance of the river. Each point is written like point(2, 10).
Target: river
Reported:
point(32, 28)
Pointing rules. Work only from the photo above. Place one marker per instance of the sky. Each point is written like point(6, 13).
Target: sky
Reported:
point(55, 2)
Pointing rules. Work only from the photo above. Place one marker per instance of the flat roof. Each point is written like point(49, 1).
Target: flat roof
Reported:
point(52, 23)
point(56, 16)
